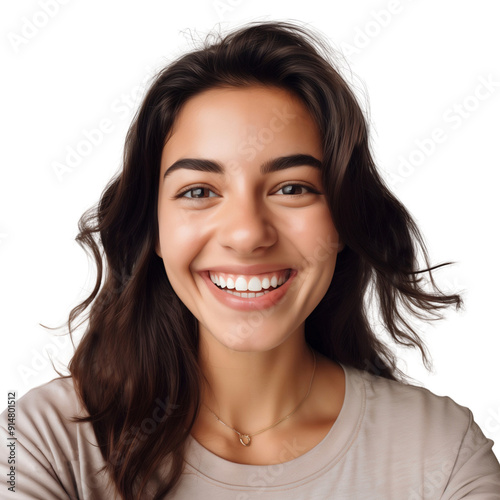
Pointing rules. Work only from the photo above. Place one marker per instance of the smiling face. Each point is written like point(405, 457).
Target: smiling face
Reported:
point(245, 232)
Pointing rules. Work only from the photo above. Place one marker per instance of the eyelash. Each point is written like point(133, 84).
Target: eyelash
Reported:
point(309, 189)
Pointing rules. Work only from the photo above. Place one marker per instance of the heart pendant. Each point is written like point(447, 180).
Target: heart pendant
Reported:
point(245, 439)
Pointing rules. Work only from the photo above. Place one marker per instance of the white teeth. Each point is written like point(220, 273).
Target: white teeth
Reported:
point(246, 295)
point(241, 284)
point(254, 284)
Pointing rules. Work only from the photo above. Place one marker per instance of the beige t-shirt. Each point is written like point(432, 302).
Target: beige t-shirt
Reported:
point(390, 441)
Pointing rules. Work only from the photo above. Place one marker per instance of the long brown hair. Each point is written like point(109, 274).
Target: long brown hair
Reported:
point(136, 368)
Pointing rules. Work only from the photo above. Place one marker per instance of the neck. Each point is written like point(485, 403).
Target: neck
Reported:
point(249, 391)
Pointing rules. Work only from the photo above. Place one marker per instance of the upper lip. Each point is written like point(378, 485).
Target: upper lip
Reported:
point(247, 270)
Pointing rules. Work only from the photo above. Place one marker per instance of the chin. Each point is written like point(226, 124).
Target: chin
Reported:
point(244, 338)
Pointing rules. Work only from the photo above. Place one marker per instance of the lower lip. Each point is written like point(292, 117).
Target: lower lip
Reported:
point(252, 303)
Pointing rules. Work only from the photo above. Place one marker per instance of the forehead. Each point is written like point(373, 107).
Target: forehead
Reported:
point(242, 124)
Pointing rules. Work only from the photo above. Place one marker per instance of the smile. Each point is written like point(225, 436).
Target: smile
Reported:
point(247, 292)
point(250, 286)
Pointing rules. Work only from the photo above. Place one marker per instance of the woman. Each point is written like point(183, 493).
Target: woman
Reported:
point(228, 353)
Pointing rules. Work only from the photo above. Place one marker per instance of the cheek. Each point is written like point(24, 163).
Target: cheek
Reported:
point(317, 240)
point(313, 228)
point(180, 240)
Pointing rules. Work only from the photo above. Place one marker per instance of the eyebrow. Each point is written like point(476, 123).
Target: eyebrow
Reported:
point(273, 165)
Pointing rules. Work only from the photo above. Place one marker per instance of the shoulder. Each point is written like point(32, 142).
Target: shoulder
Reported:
point(429, 442)
point(45, 416)
point(55, 402)
point(53, 455)
point(58, 393)
point(402, 406)
point(411, 421)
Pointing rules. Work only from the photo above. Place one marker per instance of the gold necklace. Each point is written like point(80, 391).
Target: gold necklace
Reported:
point(246, 439)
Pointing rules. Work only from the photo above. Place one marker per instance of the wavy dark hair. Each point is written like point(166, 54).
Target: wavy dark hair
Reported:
point(137, 361)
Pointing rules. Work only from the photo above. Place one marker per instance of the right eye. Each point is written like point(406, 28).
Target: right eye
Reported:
point(197, 192)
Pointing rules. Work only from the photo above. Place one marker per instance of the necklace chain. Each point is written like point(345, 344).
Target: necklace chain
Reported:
point(246, 439)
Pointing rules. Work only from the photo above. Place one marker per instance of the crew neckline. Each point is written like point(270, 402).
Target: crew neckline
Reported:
point(306, 467)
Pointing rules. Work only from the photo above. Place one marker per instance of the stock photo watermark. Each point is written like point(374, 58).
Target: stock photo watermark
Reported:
point(161, 412)
point(33, 24)
point(258, 140)
point(365, 34)
point(452, 118)
point(90, 139)
point(222, 7)
point(42, 358)
point(267, 475)
point(492, 421)
point(435, 479)
point(84, 147)
point(11, 441)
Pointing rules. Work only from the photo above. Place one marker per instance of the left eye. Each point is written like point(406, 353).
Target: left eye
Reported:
point(294, 189)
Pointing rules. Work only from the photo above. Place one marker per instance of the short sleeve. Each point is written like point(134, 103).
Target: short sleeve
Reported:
point(476, 472)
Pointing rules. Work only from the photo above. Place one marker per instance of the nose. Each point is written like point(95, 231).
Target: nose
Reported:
point(246, 226)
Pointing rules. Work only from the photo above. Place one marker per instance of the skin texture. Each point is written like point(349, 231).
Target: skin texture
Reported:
point(256, 363)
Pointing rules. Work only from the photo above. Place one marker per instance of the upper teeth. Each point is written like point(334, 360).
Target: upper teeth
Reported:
point(249, 283)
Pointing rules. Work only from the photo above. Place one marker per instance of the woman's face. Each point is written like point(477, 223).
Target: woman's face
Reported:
point(245, 232)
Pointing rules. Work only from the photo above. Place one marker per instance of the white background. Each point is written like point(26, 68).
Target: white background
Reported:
point(414, 65)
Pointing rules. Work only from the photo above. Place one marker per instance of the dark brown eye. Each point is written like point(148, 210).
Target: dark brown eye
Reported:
point(295, 189)
point(197, 192)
